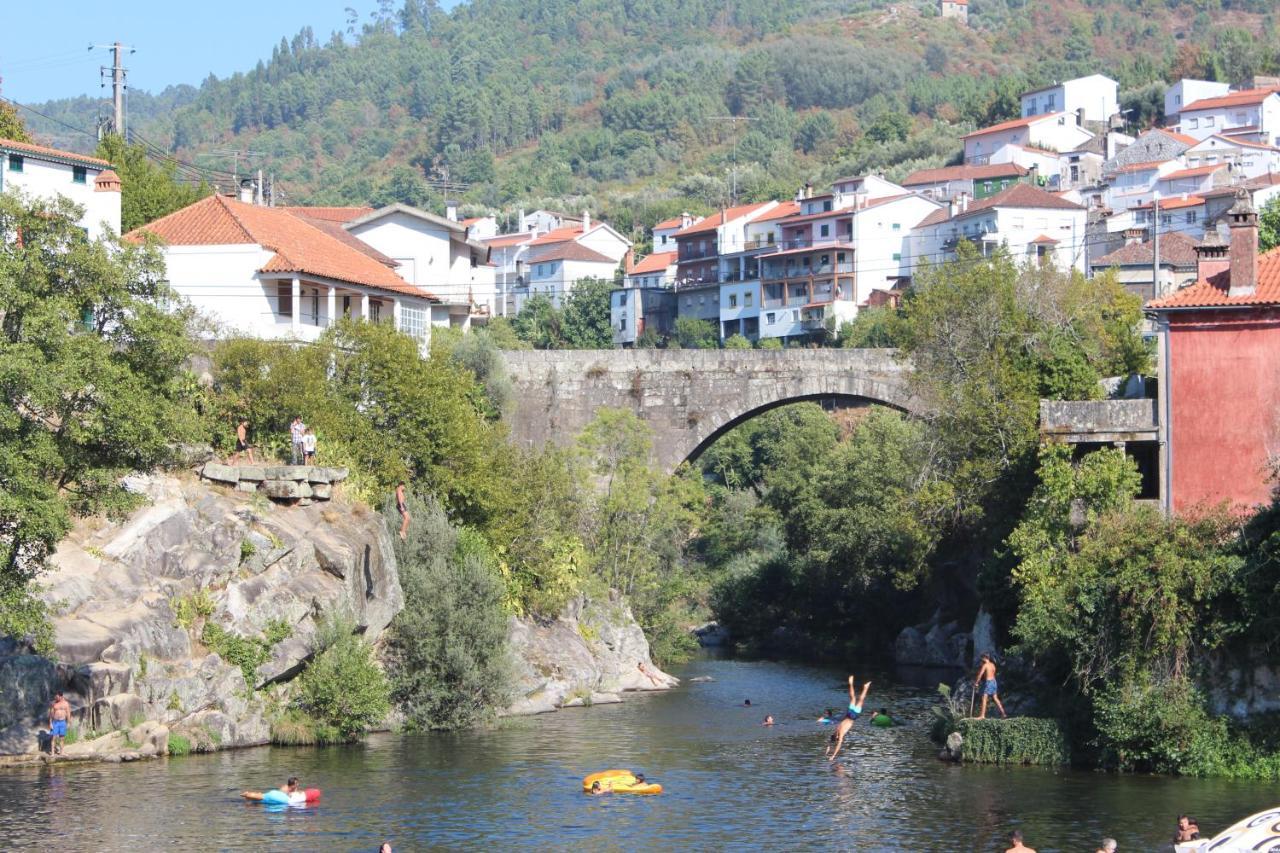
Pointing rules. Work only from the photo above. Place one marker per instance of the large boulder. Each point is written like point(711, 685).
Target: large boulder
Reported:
point(593, 650)
point(132, 598)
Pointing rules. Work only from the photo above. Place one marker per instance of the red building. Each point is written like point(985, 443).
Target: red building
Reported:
point(1220, 369)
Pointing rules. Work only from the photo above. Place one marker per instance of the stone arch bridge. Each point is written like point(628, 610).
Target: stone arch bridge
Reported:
point(689, 397)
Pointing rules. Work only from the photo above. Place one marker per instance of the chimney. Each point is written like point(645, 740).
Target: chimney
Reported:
point(1211, 255)
point(451, 209)
point(685, 220)
point(800, 194)
point(951, 208)
point(1243, 221)
point(520, 219)
point(246, 190)
point(963, 203)
point(586, 221)
point(1133, 236)
point(808, 190)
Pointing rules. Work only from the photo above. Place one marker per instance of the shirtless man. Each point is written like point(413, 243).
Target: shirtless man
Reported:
point(1186, 831)
point(242, 443)
point(987, 673)
point(855, 709)
point(59, 716)
point(1018, 847)
point(403, 509)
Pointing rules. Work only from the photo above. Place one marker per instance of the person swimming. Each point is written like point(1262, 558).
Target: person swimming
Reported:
point(828, 718)
point(855, 710)
point(768, 720)
point(882, 719)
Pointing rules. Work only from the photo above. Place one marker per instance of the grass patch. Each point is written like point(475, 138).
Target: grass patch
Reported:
point(247, 550)
point(294, 728)
point(188, 608)
point(248, 653)
point(1021, 740)
point(175, 703)
point(179, 744)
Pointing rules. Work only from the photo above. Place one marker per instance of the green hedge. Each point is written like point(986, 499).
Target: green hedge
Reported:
point(1021, 740)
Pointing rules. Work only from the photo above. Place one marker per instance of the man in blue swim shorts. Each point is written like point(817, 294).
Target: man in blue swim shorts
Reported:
point(991, 689)
point(59, 715)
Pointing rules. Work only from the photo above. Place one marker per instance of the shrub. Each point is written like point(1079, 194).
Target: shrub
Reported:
point(294, 728)
point(179, 744)
point(1021, 740)
point(187, 608)
point(248, 653)
point(247, 550)
point(449, 660)
point(343, 689)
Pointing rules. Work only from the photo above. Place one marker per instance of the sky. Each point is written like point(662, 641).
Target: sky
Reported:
point(44, 46)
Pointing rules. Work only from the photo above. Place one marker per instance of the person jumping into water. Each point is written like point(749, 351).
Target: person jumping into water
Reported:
point(987, 672)
point(855, 708)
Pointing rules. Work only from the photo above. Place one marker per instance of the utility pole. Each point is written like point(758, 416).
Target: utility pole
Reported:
point(118, 76)
point(1156, 290)
point(733, 122)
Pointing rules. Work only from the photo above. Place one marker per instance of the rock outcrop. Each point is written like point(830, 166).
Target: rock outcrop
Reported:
point(594, 651)
point(135, 599)
point(304, 484)
point(943, 644)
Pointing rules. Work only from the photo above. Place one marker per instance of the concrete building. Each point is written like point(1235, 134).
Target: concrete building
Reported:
point(700, 244)
point(481, 227)
point(40, 172)
point(1054, 132)
point(633, 311)
point(1186, 92)
point(1252, 115)
point(740, 289)
point(977, 182)
point(955, 10)
point(1032, 223)
point(1093, 98)
point(664, 232)
point(271, 273)
point(1219, 345)
point(551, 262)
point(1245, 159)
point(1134, 264)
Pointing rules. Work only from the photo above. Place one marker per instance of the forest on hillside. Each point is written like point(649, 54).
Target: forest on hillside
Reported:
point(623, 106)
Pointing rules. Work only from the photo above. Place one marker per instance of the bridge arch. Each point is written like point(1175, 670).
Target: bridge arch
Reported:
point(689, 397)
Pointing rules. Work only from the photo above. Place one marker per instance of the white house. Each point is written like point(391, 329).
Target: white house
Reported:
point(1032, 223)
point(36, 171)
point(1193, 181)
point(664, 233)
point(1186, 92)
point(1183, 214)
point(657, 269)
point(1250, 159)
point(700, 245)
point(271, 273)
point(557, 260)
point(948, 182)
point(481, 227)
point(1095, 97)
point(1251, 114)
point(741, 293)
point(1134, 184)
point(434, 253)
point(1053, 131)
point(542, 221)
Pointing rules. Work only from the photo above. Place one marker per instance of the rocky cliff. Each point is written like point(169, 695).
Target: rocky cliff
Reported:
point(593, 652)
point(144, 605)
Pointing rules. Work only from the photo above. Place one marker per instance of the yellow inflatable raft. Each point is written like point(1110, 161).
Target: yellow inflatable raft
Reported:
point(620, 782)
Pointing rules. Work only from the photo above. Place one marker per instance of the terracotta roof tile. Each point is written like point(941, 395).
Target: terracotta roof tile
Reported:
point(39, 151)
point(1180, 137)
point(1196, 172)
point(558, 235)
point(1045, 238)
point(1011, 124)
point(965, 173)
point(719, 218)
point(1176, 249)
point(782, 211)
point(329, 214)
point(300, 246)
point(1175, 203)
point(1022, 195)
point(502, 241)
point(1232, 99)
point(674, 222)
point(1213, 292)
point(568, 250)
point(654, 262)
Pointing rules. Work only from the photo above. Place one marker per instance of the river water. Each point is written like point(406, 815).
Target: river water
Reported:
point(730, 783)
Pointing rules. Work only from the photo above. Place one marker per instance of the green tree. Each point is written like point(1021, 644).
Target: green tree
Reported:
point(11, 124)
point(586, 315)
point(1269, 225)
point(816, 131)
point(91, 354)
point(148, 190)
point(540, 323)
point(450, 664)
point(343, 690)
point(736, 341)
point(693, 333)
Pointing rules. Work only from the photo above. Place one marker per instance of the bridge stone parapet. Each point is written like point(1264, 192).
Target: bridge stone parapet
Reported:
point(689, 397)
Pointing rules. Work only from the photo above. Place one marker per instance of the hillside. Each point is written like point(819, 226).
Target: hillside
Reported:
point(618, 105)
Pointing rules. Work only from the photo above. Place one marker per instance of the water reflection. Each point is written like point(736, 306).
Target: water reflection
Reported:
point(730, 783)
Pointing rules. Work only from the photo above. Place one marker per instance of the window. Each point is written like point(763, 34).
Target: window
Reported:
point(826, 205)
point(375, 311)
point(622, 324)
point(1208, 121)
point(1193, 123)
point(897, 226)
point(702, 300)
point(688, 302)
point(897, 256)
point(1166, 219)
point(284, 299)
point(1050, 102)
point(15, 162)
point(315, 305)
point(769, 318)
point(79, 174)
point(537, 270)
point(746, 299)
point(413, 322)
point(824, 230)
point(986, 186)
point(795, 316)
point(733, 300)
point(1192, 216)
point(1241, 118)
point(664, 239)
point(622, 298)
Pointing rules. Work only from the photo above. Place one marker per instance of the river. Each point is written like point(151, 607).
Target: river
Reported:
point(730, 783)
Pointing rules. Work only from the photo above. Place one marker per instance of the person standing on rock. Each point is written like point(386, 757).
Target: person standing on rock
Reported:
point(309, 447)
point(297, 430)
point(987, 673)
point(403, 509)
point(59, 716)
point(242, 443)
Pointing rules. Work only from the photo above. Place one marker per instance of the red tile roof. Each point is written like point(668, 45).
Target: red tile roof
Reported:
point(782, 211)
point(1181, 137)
point(655, 262)
point(965, 173)
point(1244, 143)
point(300, 246)
point(502, 241)
point(1175, 203)
point(1214, 291)
point(1011, 124)
point(568, 250)
point(558, 235)
point(845, 211)
point(1022, 195)
point(329, 214)
point(938, 217)
point(719, 218)
point(1196, 172)
point(1147, 166)
point(674, 222)
point(1045, 238)
point(1242, 98)
point(51, 153)
point(1176, 250)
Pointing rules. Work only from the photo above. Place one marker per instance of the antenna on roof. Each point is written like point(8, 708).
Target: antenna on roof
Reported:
point(733, 122)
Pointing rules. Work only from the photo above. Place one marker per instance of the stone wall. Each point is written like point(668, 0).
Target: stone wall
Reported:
point(688, 397)
point(1100, 420)
point(301, 483)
